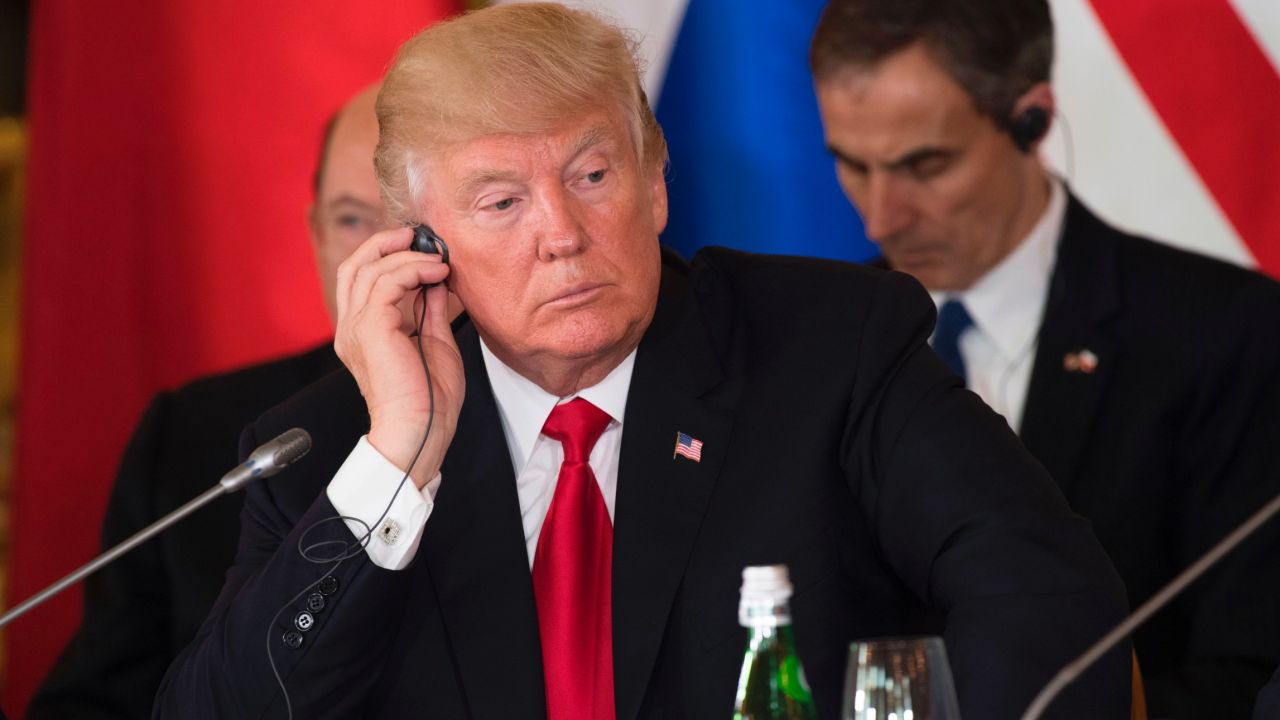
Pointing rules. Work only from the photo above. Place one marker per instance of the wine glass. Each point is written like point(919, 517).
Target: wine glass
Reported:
point(899, 679)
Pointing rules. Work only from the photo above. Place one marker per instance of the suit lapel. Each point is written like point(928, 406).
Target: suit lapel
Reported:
point(1075, 350)
point(475, 550)
point(474, 545)
point(661, 496)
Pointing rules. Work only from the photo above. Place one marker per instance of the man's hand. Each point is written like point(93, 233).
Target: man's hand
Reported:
point(376, 288)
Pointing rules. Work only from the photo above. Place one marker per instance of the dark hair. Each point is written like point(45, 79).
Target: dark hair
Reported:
point(995, 49)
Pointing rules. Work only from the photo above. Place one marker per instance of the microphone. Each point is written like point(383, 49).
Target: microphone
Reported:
point(1075, 668)
point(267, 460)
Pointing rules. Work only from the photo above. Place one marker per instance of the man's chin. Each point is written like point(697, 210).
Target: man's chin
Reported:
point(584, 344)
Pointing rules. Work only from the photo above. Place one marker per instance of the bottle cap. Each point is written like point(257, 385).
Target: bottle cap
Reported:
point(766, 583)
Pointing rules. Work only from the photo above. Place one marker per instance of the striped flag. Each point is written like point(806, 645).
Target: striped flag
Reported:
point(1179, 145)
point(689, 447)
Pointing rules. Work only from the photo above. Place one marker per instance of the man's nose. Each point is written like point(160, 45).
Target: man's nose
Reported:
point(886, 209)
point(561, 234)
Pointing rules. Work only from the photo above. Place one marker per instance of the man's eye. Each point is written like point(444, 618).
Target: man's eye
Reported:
point(928, 167)
point(854, 168)
point(351, 221)
point(595, 177)
point(504, 204)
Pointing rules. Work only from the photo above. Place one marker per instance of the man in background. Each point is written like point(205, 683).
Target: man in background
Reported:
point(142, 609)
point(1145, 379)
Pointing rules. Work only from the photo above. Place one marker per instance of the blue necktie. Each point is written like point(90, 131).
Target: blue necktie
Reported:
point(953, 320)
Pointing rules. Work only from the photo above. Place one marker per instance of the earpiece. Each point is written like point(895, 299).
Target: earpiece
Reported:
point(1027, 128)
point(426, 240)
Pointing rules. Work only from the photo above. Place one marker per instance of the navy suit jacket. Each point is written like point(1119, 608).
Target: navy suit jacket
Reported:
point(834, 442)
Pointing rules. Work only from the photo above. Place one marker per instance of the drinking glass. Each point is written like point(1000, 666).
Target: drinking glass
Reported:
point(899, 679)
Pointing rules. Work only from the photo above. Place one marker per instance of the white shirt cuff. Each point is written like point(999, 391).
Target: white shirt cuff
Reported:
point(362, 489)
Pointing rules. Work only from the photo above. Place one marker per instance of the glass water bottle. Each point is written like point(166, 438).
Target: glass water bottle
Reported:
point(772, 684)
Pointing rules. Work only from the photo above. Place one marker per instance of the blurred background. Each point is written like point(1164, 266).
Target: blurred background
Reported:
point(156, 160)
point(13, 50)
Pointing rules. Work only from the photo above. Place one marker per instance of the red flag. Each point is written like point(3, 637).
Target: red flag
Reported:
point(171, 149)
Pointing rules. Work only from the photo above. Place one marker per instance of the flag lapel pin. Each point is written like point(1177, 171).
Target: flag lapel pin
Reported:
point(688, 446)
point(1080, 361)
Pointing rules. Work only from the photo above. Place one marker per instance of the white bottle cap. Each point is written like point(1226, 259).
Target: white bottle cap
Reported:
point(770, 583)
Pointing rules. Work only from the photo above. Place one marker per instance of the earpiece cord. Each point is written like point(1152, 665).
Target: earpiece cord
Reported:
point(1068, 147)
point(352, 549)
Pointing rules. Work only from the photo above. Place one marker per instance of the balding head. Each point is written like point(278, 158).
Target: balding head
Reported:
point(347, 208)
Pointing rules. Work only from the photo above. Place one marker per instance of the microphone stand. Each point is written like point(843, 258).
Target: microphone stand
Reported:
point(97, 563)
point(1073, 670)
point(268, 459)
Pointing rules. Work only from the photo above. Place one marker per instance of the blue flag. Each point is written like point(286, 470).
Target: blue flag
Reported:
point(749, 166)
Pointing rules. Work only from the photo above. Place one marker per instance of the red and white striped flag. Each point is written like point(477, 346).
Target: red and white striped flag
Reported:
point(1171, 110)
point(688, 446)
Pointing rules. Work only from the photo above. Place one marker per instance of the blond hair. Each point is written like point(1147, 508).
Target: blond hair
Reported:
point(507, 69)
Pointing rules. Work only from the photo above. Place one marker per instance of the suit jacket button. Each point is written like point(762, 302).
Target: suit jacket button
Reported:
point(304, 621)
point(292, 639)
point(315, 602)
point(328, 585)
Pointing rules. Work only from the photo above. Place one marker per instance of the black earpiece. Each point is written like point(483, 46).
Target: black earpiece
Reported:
point(1027, 128)
point(426, 240)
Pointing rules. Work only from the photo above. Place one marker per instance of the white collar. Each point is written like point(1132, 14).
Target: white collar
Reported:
point(524, 407)
point(1007, 303)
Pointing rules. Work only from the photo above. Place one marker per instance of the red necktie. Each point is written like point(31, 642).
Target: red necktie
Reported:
point(572, 570)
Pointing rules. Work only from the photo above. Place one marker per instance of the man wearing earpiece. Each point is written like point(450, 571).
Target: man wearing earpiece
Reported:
point(1145, 379)
point(556, 516)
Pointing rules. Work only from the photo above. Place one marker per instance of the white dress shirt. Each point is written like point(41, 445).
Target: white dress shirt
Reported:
point(366, 482)
point(1007, 307)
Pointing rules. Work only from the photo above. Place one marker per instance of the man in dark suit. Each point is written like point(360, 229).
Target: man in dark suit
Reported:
point(144, 608)
point(568, 542)
point(1145, 379)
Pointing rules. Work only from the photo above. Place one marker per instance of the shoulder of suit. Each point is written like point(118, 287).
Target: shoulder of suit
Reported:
point(331, 390)
point(1217, 293)
point(1164, 273)
point(810, 302)
point(278, 378)
point(221, 405)
point(756, 273)
point(1190, 270)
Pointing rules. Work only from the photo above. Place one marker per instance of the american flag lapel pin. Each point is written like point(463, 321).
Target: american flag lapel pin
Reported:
point(688, 446)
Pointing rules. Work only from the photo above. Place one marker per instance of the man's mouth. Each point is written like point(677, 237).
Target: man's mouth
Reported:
point(576, 294)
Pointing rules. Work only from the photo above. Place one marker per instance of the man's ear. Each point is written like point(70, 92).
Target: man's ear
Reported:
point(1040, 95)
point(658, 194)
point(1032, 117)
